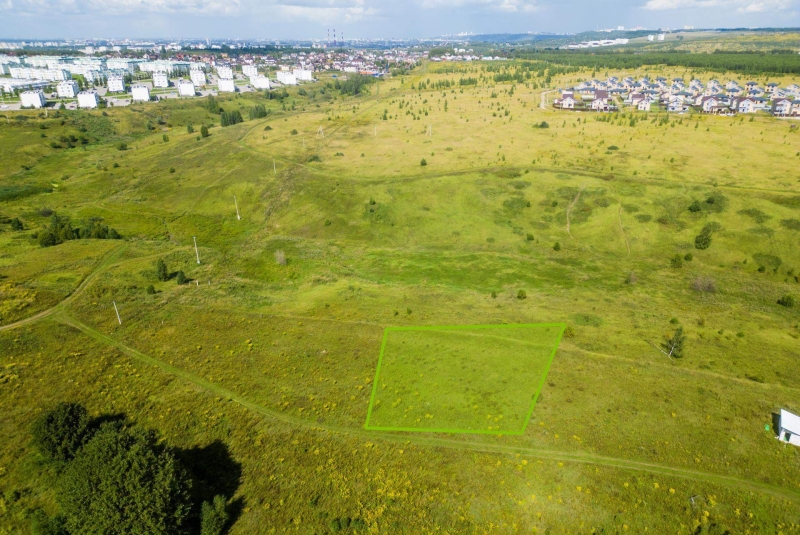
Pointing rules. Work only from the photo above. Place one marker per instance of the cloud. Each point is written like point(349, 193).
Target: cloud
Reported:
point(741, 6)
point(503, 6)
point(328, 11)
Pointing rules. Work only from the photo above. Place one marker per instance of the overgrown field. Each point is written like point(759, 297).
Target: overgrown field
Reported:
point(436, 198)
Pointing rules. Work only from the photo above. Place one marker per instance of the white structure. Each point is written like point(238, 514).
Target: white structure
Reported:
point(287, 78)
point(250, 70)
point(303, 75)
point(226, 85)
point(185, 88)
point(32, 99)
point(651, 37)
point(140, 93)
point(67, 89)
point(32, 73)
point(260, 82)
point(160, 79)
point(87, 99)
point(198, 77)
point(789, 428)
point(661, 37)
point(116, 84)
point(225, 71)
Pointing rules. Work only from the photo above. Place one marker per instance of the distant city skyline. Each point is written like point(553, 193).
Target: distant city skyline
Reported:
point(306, 19)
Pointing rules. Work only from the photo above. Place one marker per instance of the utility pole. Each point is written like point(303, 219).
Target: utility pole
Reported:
point(117, 311)
point(196, 252)
point(274, 169)
point(237, 208)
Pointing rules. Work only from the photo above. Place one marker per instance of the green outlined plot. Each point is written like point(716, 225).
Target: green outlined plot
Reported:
point(461, 379)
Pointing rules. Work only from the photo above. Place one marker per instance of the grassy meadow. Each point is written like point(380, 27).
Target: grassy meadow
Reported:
point(272, 344)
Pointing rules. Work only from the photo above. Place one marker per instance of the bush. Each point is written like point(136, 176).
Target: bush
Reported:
point(171, 169)
point(786, 301)
point(557, 246)
point(702, 241)
point(230, 118)
point(151, 290)
point(529, 237)
point(267, 128)
point(676, 261)
point(521, 294)
point(41, 524)
point(613, 147)
point(704, 284)
point(631, 278)
point(315, 158)
point(674, 345)
point(688, 257)
point(122, 146)
point(203, 131)
point(124, 481)
point(189, 129)
point(16, 224)
point(161, 270)
point(165, 138)
point(181, 278)
point(543, 124)
point(423, 162)
point(59, 433)
point(792, 224)
point(213, 516)
point(294, 131)
point(695, 207)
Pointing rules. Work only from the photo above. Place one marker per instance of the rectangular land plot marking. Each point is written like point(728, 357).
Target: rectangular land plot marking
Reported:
point(482, 379)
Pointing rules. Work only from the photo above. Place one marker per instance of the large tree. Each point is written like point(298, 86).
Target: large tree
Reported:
point(60, 432)
point(123, 481)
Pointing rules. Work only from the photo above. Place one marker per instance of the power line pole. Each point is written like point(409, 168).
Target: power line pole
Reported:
point(196, 252)
point(117, 311)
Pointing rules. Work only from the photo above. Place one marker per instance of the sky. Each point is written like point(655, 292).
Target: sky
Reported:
point(303, 19)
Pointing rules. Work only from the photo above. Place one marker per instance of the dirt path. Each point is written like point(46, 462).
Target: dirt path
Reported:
point(432, 441)
point(569, 209)
point(101, 267)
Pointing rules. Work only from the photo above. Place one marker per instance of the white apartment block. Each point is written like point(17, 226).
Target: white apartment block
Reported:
point(260, 82)
point(32, 99)
point(116, 84)
point(250, 70)
point(51, 75)
point(185, 88)
point(287, 78)
point(140, 93)
point(67, 89)
point(303, 75)
point(87, 99)
point(160, 79)
point(226, 85)
point(198, 77)
point(225, 71)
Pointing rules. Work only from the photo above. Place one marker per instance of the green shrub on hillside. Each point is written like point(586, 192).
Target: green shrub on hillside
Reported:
point(59, 433)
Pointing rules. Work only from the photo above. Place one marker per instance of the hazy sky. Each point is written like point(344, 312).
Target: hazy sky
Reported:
point(371, 18)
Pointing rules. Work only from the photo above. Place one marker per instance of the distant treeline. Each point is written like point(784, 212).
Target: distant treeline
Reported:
point(744, 62)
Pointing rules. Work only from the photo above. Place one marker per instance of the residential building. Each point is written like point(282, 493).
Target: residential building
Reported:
point(198, 77)
point(789, 428)
point(250, 70)
point(225, 71)
point(67, 89)
point(226, 85)
point(87, 99)
point(32, 99)
point(140, 93)
point(185, 88)
point(260, 82)
point(287, 78)
point(160, 79)
point(303, 75)
point(116, 84)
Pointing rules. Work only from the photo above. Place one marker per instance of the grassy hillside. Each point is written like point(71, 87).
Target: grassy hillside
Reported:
point(271, 346)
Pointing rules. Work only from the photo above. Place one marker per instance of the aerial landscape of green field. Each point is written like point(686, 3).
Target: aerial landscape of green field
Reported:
point(231, 292)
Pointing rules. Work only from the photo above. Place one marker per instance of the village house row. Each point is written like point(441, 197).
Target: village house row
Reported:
point(676, 96)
